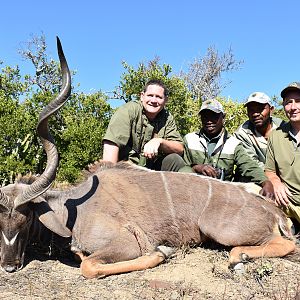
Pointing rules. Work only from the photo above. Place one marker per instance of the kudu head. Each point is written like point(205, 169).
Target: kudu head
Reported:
point(16, 200)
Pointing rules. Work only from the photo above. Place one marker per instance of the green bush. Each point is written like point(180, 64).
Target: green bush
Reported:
point(77, 129)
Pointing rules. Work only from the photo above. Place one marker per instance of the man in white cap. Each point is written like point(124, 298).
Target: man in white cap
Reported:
point(212, 152)
point(254, 132)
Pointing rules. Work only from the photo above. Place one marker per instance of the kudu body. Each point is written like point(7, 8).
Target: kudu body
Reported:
point(124, 218)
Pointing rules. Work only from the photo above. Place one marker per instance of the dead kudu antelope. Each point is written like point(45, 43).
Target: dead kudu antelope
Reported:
point(123, 218)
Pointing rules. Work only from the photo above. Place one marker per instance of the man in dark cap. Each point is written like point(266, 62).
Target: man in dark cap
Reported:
point(212, 152)
point(283, 156)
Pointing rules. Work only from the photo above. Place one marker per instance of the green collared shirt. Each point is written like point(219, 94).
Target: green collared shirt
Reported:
point(283, 158)
point(211, 143)
point(254, 143)
point(228, 154)
point(130, 130)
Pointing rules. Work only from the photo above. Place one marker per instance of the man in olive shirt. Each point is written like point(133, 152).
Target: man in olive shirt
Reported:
point(212, 152)
point(283, 156)
point(255, 131)
point(145, 132)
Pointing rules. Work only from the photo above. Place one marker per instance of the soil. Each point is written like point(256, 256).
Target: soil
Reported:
point(192, 273)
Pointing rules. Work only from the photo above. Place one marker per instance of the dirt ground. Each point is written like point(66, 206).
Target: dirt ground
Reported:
point(199, 273)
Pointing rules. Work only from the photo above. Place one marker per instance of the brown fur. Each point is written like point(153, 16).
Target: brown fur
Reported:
point(123, 212)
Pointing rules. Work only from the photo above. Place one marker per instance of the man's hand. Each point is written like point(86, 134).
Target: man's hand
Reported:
point(281, 194)
point(206, 170)
point(151, 148)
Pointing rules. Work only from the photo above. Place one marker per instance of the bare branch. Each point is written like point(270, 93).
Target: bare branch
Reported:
point(204, 76)
point(47, 75)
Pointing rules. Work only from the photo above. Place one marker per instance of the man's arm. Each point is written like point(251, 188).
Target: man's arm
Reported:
point(151, 148)
point(250, 168)
point(110, 151)
point(280, 190)
point(248, 145)
point(168, 147)
point(247, 167)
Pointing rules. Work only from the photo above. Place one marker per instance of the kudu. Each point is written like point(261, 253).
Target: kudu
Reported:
point(125, 218)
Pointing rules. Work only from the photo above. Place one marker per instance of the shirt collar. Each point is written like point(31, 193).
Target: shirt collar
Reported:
point(214, 139)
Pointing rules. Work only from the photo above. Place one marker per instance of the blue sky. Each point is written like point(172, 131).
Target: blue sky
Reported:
point(98, 35)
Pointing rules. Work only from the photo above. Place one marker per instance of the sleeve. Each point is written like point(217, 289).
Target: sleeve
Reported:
point(248, 167)
point(119, 127)
point(241, 135)
point(270, 164)
point(171, 133)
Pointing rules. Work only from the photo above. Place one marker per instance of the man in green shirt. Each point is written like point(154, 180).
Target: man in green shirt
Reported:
point(144, 132)
point(283, 156)
point(213, 152)
point(255, 131)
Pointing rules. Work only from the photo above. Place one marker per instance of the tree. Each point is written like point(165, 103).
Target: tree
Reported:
point(47, 73)
point(11, 85)
point(278, 111)
point(85, 119)
point(203, 80)
point(78, 145)
point(78, 128)
point(15, 126)
point(236, 114)
point(204, 75)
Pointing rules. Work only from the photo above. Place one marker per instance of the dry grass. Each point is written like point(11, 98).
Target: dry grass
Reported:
point(193, 273)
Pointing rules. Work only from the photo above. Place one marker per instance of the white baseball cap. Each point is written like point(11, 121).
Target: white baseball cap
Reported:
point(259, 97)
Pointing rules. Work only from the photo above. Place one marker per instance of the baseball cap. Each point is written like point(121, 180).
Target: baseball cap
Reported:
point(212, 104)
point(259, 97)
point(291, 86)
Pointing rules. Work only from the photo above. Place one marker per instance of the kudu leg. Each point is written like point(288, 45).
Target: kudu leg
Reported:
point(276, 247)
point(93, 267)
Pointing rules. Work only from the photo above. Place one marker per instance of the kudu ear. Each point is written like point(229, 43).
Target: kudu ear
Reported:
point(49, 219)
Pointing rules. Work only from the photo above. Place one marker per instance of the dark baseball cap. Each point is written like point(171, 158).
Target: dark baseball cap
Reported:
point(292, 86)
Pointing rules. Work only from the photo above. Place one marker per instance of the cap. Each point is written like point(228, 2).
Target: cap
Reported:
point(213, 105)
point(259, 97)
point(291, 86)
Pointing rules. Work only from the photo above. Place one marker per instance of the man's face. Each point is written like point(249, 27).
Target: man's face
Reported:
point(153, 100)
point(291, 104)
point(259, 113)
point(212, 123)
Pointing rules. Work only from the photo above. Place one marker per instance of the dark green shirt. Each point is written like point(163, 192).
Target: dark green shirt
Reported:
point(254, 143)
point(283, 158)
point(130, 130)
